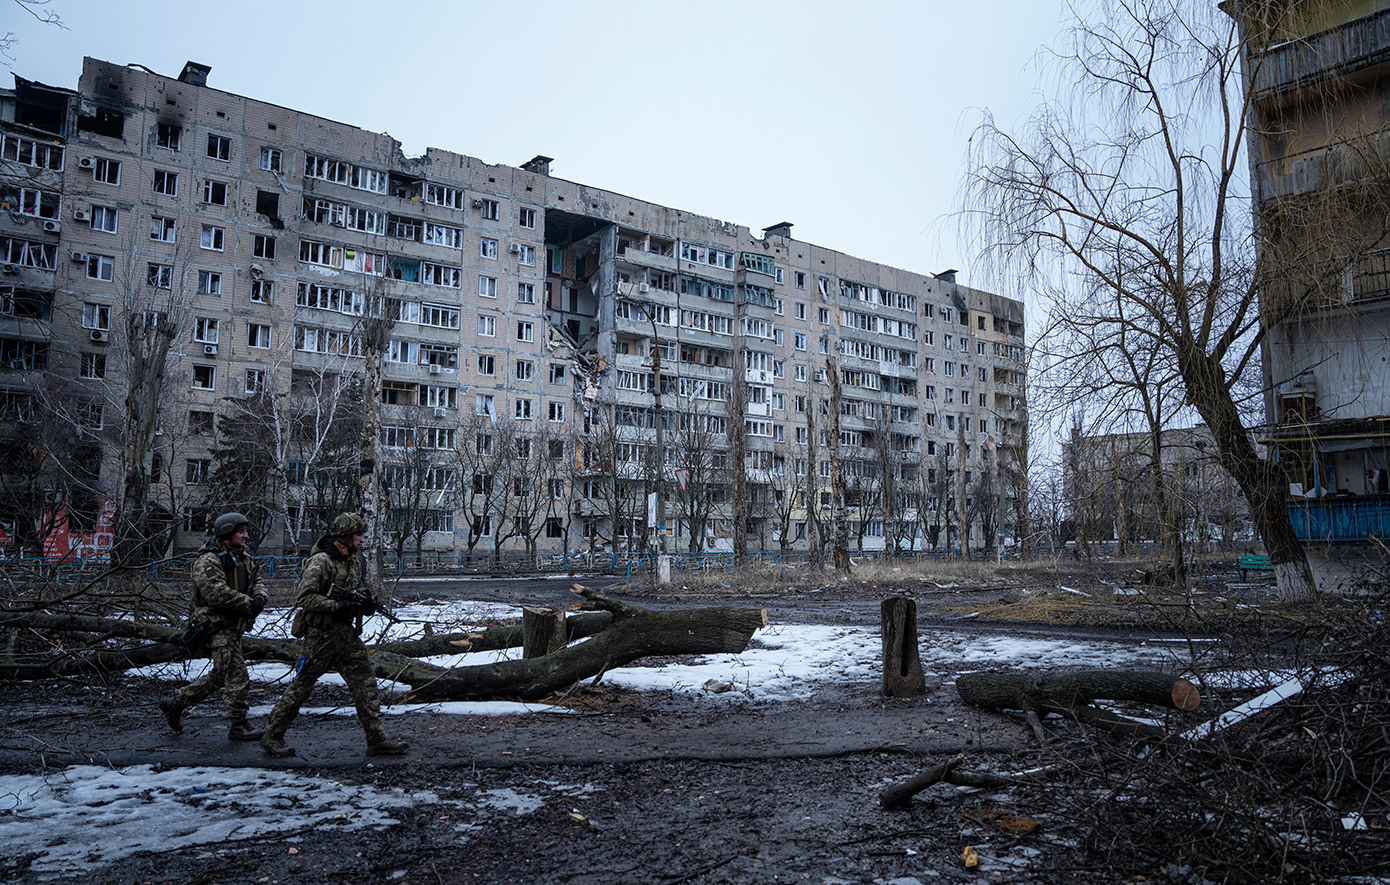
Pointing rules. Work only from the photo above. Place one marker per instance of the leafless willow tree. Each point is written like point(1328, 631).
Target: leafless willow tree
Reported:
point(1130, 182)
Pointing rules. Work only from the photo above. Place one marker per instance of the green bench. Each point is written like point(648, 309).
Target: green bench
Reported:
point(1251, 563)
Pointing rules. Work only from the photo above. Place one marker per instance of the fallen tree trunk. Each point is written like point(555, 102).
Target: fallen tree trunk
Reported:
point(631, 633)
point(577, 626)
point(1023, 691)
point(635, 633)
point(1071, 694)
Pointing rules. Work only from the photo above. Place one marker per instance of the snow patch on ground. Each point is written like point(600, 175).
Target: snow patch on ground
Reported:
point(86, 816)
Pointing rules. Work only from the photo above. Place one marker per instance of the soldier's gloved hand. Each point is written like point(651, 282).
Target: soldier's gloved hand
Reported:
point(257, 605)
point(369, 606)
point(344, 611)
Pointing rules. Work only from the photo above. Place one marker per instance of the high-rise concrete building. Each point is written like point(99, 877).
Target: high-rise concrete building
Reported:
point(523, 341)
point(1320, 173)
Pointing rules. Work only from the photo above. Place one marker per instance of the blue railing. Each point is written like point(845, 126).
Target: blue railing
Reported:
point(1341, 520)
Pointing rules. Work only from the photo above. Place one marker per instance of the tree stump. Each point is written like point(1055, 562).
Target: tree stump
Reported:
point(542, 631)
point(902, 665)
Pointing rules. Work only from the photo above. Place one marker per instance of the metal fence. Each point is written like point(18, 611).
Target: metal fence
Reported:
point(629, 564)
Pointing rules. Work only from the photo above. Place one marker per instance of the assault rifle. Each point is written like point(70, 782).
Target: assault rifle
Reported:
point(361, 602)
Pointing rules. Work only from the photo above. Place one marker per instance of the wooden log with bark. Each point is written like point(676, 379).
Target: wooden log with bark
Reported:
point(1071, 694)
point(542, 631)
point(635, 633)
point(614, 634)
point(903, 676)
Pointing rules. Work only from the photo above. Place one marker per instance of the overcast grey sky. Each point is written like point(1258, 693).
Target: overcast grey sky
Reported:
point(849, 120)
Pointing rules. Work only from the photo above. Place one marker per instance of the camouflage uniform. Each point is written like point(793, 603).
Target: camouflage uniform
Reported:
point(331, 642)
point(225, 587)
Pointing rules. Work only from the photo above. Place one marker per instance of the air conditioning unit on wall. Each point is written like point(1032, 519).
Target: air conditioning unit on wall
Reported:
point(52, 227)
point(210, 349)
point(434, 369)
point(87, 163)
point(99, 336)
point(81, 215)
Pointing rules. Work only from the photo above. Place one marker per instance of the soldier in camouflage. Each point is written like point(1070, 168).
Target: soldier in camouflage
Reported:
point(332, 601)
point(227, 596)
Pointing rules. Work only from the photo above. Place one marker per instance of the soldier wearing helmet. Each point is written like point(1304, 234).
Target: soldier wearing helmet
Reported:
point(227, 596)
point(332, 601)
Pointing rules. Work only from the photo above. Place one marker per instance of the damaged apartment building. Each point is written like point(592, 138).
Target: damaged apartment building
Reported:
point(1318, 87)
point(521, 340)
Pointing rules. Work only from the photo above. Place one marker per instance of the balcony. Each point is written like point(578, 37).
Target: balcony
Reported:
point(1335, 52)
point(1341, 520)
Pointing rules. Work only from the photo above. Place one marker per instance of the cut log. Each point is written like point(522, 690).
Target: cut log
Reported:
point(902, 664)
point(1070, 694)
point(542, 631)
point(1033, 691)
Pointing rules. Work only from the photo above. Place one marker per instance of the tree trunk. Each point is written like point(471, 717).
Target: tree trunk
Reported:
point(902, 664)
point(837, 472)
point(1264, 482)
point(542, 631)
point(635, 633)
point(1023, 691)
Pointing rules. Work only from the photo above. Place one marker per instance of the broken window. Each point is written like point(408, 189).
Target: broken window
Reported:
point(527, 218)
point(262, 291)
point(525, 293)
point(487, 209)
point(440, 195)
point(268, 204)
point(168, 135)
point(159, 275)
point(442, 235)
point(29, 201)
point(215, 192)
point(104, 218)
point(29, 152)
point(204, 377)
point(103, 122)
point(101, 267)
point(162, 228)
point(488, 247)
point(219, 147)
point(263, 247)
point(166, 183)
point(107, 171)
point(209, 283)
point(270, 159)
point(213, 237)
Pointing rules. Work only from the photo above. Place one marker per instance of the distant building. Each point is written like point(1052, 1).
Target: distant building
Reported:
point(1319, 77)
point(1112, 493)
point(516, 381)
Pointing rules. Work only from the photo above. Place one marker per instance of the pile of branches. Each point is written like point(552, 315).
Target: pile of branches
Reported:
point(1296, 792)
point(1299, 792)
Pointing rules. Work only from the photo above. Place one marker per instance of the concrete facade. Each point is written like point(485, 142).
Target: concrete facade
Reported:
point(520, 306)
point(1317, 75)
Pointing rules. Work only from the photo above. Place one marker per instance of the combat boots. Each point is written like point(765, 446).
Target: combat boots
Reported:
point(274, 745)
point(378, 744)
point(173, 713)
point(241, 730)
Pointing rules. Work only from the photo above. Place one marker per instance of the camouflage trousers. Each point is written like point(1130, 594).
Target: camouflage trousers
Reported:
point(337, 648)
point(228, 673)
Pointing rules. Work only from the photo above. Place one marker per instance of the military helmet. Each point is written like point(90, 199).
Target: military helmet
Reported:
point(227, 524)
point(347, 524)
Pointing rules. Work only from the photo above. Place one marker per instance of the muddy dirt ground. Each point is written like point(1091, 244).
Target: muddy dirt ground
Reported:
point(650, 787)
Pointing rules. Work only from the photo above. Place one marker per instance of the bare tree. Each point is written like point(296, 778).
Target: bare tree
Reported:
point(1135, 189)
